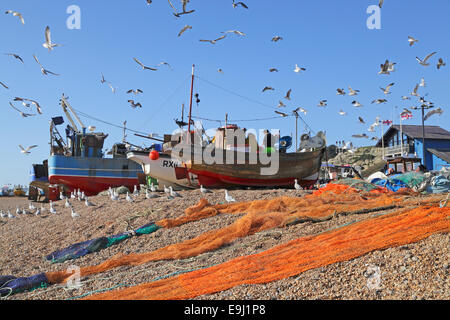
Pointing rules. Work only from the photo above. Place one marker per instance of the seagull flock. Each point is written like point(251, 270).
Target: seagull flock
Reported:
point(386, 69)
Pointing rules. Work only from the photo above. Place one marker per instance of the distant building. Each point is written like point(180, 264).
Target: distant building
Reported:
point(409, 143)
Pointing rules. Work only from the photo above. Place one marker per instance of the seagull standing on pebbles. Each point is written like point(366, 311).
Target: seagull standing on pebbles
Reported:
point(152, 188)
point(88, 203)
point(74, 214)
point(173, 193)
point(229, 198)
point(204, 191)
point(128, 198)
point(297, 186)
point(10, 215)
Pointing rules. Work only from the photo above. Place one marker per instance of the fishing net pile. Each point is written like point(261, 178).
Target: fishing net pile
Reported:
point(81, 249)
point(414, 219)
point(296, 256)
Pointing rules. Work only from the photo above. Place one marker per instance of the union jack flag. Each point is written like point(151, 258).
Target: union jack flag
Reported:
point(406, 116)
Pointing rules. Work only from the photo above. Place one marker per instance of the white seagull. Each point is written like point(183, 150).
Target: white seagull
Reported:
point(299, 69)
point(27, 150)
point(173, 193)
point(128, 198)
point(74, 214)
point(411, 41)
point(424, 61)
point(352, 92)
point(229, 198)
point(204, 191)
point(48, 40)
point(16, 14)
point(143, 66)
point(43, 70)
point(297, 186)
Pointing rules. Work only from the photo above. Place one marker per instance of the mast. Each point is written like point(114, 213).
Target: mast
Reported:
point(190, 103)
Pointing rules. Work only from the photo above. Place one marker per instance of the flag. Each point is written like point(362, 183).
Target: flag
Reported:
point(388, 122)
point(406, 116)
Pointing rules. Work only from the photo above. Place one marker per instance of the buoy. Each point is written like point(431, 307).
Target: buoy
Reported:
point(154, 155)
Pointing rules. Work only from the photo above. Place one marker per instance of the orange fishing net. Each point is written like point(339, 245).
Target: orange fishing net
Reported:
point(294, 257)
point(260, 215)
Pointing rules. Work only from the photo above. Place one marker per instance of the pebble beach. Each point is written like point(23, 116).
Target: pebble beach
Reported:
point(415, 271)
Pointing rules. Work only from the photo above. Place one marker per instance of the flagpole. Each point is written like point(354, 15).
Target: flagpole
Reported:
point(401, 133)
point(382, 139)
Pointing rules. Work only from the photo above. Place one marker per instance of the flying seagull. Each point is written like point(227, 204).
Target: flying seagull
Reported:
point(43, 70)
point(438, 111)
point(103, 79)
point(424, 61)
point(134, 105)
point(322, 103)
point(441, 63)
point(267, 88)
point(422, 83)
point(378, 101)
point(273, 70)
point(281, 113)
point(340, 92)
point(300, 109)
point(360, 135)
point(137, 91)
point(277, 38)
point(235, 4)
point(15, 56)
point(48, 40)
point(4, 85)
point(356, 104)
point(186, 27)
point(384, 68)
point(24, 115)
point(35, 103)
point(27, 150)
point(281, 104)
point(166, 64)
point(386, 90)
point(380, 3)
point(113, 89)
point(352, 92)
point(361, 120)
point(235, 32)
point(411, 41)
point(298, 69)
point(342, 113)
point(414, 93)
point(16, 14)
point(143, 66)
point(288, 95)
point(213, 41)
point(178, 14)
point(406, 98)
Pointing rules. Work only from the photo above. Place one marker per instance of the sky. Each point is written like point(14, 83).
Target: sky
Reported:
point(329, 38)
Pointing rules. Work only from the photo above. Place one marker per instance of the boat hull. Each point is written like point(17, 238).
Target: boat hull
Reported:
point(163, 170)
point(302, 166)
point(92, 175)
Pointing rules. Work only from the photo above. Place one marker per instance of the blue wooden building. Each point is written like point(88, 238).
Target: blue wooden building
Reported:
point(407, 142)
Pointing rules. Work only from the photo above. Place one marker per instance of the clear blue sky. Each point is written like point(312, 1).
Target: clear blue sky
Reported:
point(329, 38)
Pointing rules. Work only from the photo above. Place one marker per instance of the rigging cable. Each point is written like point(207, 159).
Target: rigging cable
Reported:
point(250, 100)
